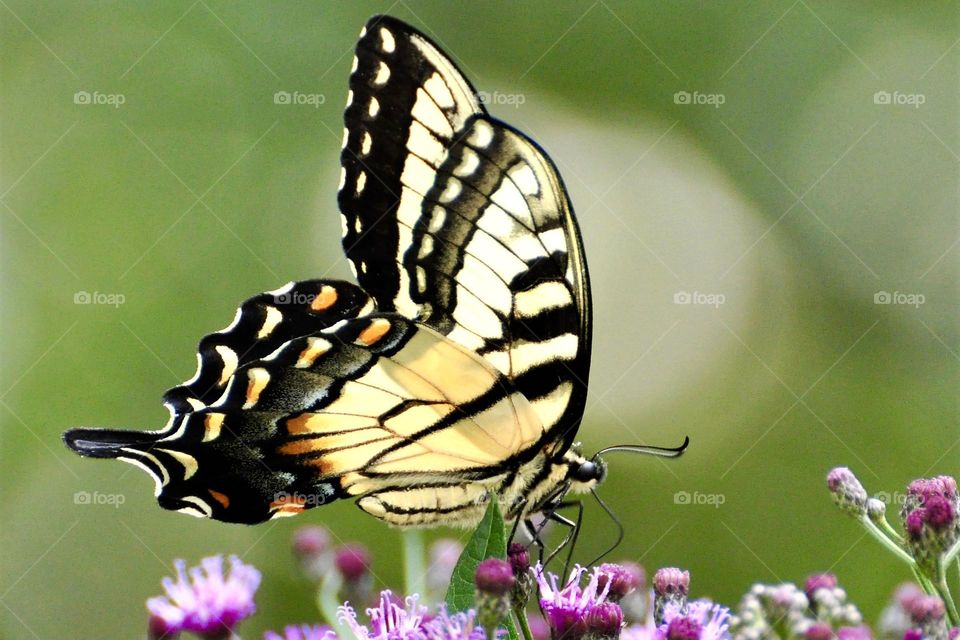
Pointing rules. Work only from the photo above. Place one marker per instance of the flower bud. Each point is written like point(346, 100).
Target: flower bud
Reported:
point(604, 621)
point(819, 631)
point(495, 582)
point(819, 581)
point(352, 561)
point(669, 585)
point(622, 578)
point(847, 491)
point(519, 560)
point(861, 632)
point(876, 510)
point(311, 545)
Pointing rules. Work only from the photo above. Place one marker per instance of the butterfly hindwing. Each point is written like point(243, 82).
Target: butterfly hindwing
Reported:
point(369, 406)
point(263, 323)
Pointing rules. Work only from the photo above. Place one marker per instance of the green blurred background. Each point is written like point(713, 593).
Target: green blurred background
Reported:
point(785, 184)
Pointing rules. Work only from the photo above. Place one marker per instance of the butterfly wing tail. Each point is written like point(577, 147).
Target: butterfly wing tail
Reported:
point(106, 443)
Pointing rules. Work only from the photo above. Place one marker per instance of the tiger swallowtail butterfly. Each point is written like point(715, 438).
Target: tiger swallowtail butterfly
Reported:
point(455, 372)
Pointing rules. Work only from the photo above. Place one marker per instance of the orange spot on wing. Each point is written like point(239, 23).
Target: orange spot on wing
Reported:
point(220, 497)
point(377, 329)
point(325, 299)
point(299, 425)
point(297, 447)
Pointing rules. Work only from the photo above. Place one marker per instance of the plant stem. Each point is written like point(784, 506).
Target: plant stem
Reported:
point(877, 533)
point(327, 600)
point(521, 615)
point(946, 596)
point(890, 531)
point(414, 566)
point(951, 553)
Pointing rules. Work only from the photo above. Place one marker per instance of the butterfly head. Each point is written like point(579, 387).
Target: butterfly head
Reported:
point(223, 479)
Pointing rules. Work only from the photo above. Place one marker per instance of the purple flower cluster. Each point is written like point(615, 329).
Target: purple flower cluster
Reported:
point(393, 620)
point(203, 600)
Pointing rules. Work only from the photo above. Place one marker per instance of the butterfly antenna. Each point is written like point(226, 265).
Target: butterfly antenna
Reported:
point(616, 522)
point(662, 452)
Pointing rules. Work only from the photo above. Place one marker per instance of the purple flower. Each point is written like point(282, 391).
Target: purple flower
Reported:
point(302, 632)
point(566, 608)
point(391, 621)
point(700, 620)
point(207, 602)
point(388, 620)
point(571, 596)
point(458, 626)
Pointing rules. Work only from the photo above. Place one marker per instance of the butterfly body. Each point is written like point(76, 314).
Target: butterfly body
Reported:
point(454, 374)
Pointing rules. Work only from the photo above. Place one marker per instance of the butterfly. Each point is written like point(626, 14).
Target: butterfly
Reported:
point(455, 373)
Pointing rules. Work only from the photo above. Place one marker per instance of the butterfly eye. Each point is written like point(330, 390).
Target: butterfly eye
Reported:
point(587, 471)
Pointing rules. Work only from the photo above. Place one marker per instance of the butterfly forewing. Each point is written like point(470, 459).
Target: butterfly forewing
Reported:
point(456, 219)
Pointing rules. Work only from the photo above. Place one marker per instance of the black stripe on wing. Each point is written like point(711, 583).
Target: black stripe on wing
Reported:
point(403, 92)
point(261, 325)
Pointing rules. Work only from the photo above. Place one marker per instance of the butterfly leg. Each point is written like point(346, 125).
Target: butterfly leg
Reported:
point(570, 540)
point(534, 532)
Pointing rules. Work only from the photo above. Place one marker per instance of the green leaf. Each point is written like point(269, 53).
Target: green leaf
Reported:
point(489, 540)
